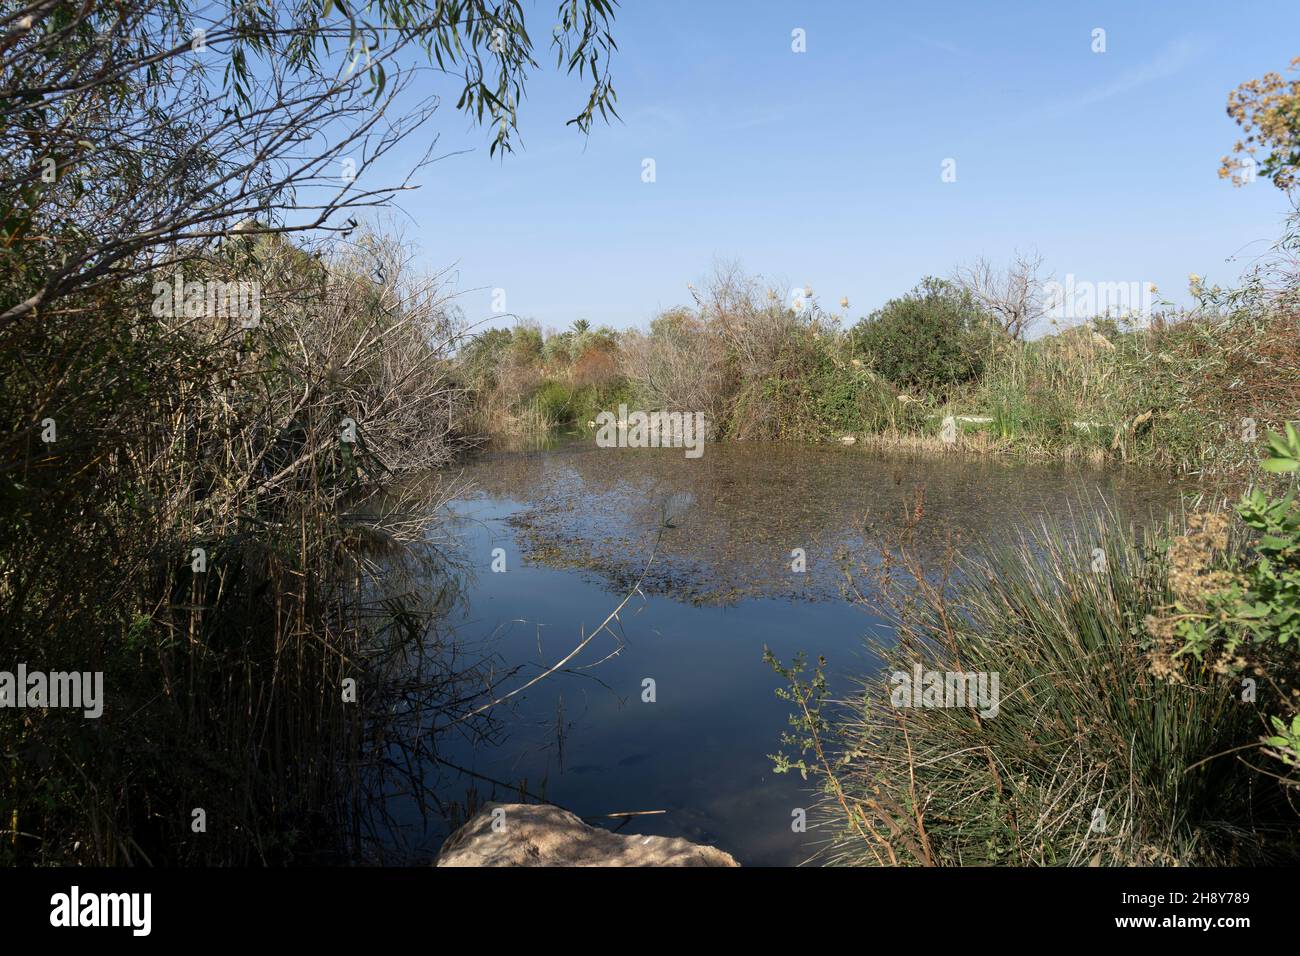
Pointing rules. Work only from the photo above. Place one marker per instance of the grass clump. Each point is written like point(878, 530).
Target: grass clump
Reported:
point(1092, 755)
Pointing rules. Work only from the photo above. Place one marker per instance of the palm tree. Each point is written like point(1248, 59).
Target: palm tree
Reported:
point(581, 326)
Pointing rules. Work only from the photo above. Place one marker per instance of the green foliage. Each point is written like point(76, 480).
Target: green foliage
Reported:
point(809, 727)
point(561, 348)
point(930, 338)
point(526, 342)
point(1090, 757)
point(554, 401)
point(1171, 392)
point(1245, 613)
point(1257, 598)
point(480, 357)
point(1285, 742)
point(486, 42)
point(1286, 452)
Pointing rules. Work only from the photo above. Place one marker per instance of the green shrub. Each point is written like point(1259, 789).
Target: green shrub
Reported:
point(591, 400)
point(554, 402)
point(526, 342)
point(931, 339)
point(560, 349)
point(1237, 610)
point(481, 355)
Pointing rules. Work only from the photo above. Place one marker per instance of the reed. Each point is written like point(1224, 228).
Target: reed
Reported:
point(1089, 759)
point(219, 529)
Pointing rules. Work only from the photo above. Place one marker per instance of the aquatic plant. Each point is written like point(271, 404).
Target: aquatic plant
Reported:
point(1091, 758)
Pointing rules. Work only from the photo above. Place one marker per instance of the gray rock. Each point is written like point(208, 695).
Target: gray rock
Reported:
point(543, 835)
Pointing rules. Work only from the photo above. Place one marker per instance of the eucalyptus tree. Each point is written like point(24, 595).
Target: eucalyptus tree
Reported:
point(131, 127)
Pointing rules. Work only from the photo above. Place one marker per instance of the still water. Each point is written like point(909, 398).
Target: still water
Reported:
point(705, 548)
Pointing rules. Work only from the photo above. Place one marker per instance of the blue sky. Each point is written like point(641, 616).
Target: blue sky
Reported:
point(824, 167)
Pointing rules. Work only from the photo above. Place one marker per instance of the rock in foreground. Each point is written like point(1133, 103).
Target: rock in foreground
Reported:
point(543, 835)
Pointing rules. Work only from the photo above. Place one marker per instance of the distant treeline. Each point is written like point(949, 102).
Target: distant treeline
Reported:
point(1192, 390)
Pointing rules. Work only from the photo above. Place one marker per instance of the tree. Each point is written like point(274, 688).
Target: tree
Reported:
point(1268, 111)
point(1011, 297)
point(129, 128)
point(928, 338)
point(151, 142)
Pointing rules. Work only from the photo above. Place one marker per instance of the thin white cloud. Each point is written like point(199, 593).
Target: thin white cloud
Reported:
point(652, 118)
point(1170, 61)
point(752, 118)
point(943, 45)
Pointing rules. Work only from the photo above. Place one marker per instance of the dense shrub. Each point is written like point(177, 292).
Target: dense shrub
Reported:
point(596, 366)
point(930, 339)
point(1236, 607)
point(1178, 390)
point(214, 509)
point(268, 453)
point(481, 357)
point(554, 401)
point(678, 365)
point(525, 379)
point(561, 349)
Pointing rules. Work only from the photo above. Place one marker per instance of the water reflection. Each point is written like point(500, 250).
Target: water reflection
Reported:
point(741, 510)
point(577, 526)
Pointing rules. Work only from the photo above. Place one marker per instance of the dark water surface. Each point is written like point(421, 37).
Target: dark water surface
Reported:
point(577, 525)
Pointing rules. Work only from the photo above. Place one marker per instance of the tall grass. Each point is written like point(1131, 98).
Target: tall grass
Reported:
point(217, 528)
point(1090, 758)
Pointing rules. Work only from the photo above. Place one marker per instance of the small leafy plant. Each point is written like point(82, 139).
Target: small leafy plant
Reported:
point(809, 726)
point(1238, 610)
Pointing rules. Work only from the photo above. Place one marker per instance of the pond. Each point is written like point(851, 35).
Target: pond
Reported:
point(706, 549)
